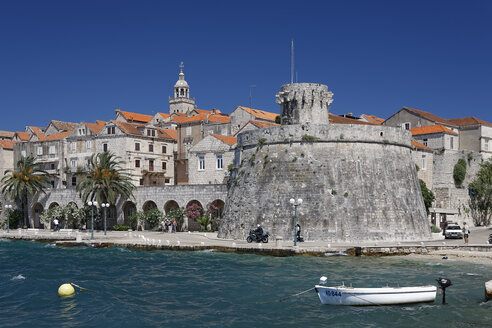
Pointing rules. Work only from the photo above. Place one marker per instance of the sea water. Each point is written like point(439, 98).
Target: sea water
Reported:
point(213, 289)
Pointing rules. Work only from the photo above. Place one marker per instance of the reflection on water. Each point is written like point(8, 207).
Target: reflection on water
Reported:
point(213, 289)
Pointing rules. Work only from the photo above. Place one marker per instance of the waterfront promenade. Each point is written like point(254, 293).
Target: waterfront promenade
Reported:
point(189, 241)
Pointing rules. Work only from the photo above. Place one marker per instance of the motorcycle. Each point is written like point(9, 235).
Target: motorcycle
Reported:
point(253, 236)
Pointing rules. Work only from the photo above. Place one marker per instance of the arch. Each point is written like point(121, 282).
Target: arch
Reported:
point(128, 209)
point(111, 218)
point(37, 210)
point(170, 204)
point(219, 203)
point(53, 205)
point(149, 205)
point(73, 204)
point(192, 224)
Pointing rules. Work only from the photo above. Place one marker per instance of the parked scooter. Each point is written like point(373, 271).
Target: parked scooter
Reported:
point(256, 237)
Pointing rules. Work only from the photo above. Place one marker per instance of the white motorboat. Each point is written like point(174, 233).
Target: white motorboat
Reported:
point(344, 295)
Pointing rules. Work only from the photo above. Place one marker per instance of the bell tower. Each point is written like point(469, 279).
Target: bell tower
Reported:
point(181, 102)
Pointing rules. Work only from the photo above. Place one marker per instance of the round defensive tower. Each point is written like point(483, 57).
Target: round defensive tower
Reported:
point(358, 182)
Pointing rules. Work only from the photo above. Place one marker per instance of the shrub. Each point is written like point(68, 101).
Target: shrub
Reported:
point(153, 217)
point(427, 195)
point(333, 192)
point(435, 229)
point(121, 227)
point(308, 138)
point(252, 160)
point(15, 216)
point(345, 194)
point(261, 141)
point(459, 172)
point(194, 211)
point(177, 214)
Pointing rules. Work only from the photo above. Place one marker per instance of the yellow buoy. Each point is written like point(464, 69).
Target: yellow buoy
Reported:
point(66, 290)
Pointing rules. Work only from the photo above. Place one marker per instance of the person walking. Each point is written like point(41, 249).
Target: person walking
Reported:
point(466, 232)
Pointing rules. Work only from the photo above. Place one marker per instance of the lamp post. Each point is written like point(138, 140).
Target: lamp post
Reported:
point(105, 206)
point(92, 217)
point(8, 208)
point(295, 204)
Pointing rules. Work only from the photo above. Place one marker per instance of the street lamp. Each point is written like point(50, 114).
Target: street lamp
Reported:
point(105, 206)
point(92, 217)
point(8, 208)
point(295, 204)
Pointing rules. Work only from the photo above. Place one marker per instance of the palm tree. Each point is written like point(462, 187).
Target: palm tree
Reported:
point(26, 179)
point(105, 180)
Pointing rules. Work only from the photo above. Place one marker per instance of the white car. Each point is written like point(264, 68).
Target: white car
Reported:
point(453, 231)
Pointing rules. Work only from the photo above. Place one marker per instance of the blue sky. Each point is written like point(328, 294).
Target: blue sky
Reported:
point(78, 60)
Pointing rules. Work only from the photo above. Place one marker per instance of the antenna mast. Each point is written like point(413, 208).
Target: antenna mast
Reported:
point(292, 60)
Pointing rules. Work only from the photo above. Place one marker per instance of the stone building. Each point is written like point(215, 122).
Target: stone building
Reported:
point(242, 115)
point(181, 102)
point(423, 157)
point(129, 117)
point(210, 158)
point(253, 125)
point(358, 181)
point(6, 156)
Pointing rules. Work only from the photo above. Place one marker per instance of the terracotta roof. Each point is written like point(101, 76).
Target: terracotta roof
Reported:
point(428, 115)
point(260, 113)
point(7, 144)
point(24, 136)
point(431, 129)
point(263, 124)
point(202, 117)
point(417, 144)
point(56, 136)
point(136, 117)
point(228, 140)
point(335, 119)
point(168, 133)
point(100, 122)
point(164, 115)
point(94, 127)
point(466, 121)
point(130, 128)
point(373, 119)
point(65, 126)
point(7, 134)
point(37, 130)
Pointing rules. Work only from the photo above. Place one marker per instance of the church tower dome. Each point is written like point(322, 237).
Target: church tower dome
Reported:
point(181, 102)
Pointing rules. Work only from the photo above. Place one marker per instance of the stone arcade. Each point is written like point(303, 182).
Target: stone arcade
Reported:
point(358, 182)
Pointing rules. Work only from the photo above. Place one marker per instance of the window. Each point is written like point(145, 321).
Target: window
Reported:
point(52, 183)
point(23, 153)
point(141, 182)
point(424, 142)
point(486, 146)
point(150, 132)
point(220, 163)
point(105, 147)
point(166, 180)
point(188, 130)
point(164, 164)
point(424, 162)
point(52, 166)
point(73, 163)
point(151, 148)
point(73, 146)
point(164, 149)
point(81, 132)
point(406, 126)
point(137, 146)
point(88, 161)
point(52, 150)
point(451, 143)
point(137, 163)
point(74, 181)
point(151, 165)
point(201, 163)
point(40, 151)
point(111, 130)
point(88, 144)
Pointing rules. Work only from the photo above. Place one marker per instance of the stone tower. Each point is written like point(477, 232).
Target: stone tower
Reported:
point(181, 102)
point(304, 103)
point(358, 182)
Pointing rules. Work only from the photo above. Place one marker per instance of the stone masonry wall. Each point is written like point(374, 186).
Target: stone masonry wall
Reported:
point(358, 183)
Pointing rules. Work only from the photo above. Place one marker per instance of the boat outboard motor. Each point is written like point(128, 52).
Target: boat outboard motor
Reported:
point(443, 284)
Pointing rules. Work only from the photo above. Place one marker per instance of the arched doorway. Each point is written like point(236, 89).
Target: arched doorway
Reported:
point(128, 209)
point(171, 204)
point(53, 205)
point(111, 218)
point(217, 209)
point(37, 210)
point(148, 205)
point(193, 225)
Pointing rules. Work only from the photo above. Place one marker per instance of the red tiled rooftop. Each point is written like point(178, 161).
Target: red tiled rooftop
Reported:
point(417, 144)
point(94, 127)
point(56, 136)
point(130, 128)
point(263, 124)
point(202, 117)
point(258, 113)
point(335, 119)
point(429, 116)
point(466, 121)
point(136, 117)
point(168, 133)
point(7, 134)
point(373, 119)
point(7, 144)
point(24, 136)
point(431, 129)
point(228, 140)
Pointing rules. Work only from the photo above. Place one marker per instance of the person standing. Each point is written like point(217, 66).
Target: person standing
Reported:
point(466, 232)
point(174, 225)
point(55, 223)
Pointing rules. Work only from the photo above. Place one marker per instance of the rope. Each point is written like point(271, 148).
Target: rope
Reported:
point(82, 288)
point(290, 296)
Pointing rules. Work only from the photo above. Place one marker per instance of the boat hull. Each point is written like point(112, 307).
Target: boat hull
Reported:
point(375, 296)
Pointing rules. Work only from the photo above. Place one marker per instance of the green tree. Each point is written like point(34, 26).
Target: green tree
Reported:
point(178, 215)
point(427, 194)
point(481, 195)
point(106, 180)
point(23, 181)
point(459, 172)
